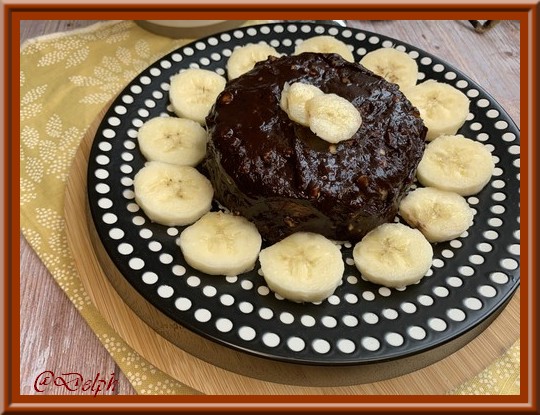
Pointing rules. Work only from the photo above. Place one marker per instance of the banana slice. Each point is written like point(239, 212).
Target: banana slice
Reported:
point(303, 267)
point(393, 65)
point(172, 195)
point(438, 214)
point(173, 140)
point(332, 117)
point(325, 44)
point(244, 58)
point(293, 100)
point(393, 255)
point(194, 91)
point(442, 107)
point(456, 164)
point(221, 244)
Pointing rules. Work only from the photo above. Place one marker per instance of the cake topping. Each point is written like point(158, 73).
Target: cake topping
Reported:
point(332, 118)
point(293, 100)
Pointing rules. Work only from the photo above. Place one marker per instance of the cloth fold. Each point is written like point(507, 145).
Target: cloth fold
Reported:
point(65, 81)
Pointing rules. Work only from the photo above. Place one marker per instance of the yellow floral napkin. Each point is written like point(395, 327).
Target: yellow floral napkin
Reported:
point(65, 80)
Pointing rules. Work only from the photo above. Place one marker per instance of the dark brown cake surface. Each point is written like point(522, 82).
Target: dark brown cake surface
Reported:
point(284, 178)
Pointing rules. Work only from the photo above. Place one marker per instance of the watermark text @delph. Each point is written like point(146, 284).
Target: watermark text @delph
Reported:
point(75, 382)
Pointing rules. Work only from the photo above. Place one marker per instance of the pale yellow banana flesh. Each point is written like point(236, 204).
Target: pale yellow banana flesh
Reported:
point(332, 118)
point(325, 44)
point(456, 164)
point(303, 267)
point(244, 58)
point(294, 98)
point(393, 65)
point(442, 107)
point(172, 140)
point(172, 195)
point(193, 92)
point(438, 214)
point(393, 255)
point(221, 244)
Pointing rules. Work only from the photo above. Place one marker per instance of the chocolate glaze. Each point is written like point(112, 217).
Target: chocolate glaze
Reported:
point(284, 178)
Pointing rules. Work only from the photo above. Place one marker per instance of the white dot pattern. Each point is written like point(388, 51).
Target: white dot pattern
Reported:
point(470, 274)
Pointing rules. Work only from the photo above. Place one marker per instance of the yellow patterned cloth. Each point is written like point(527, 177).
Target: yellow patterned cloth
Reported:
point(65, 81)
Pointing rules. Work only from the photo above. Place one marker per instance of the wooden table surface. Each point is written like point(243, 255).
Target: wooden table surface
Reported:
point(53, 334)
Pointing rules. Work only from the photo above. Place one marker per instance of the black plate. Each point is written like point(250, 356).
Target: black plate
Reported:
point(471, 277)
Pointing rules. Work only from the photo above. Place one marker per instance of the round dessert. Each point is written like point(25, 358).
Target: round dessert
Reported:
point(281, 176)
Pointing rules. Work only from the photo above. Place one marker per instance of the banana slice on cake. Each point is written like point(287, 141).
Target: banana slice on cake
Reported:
point(442, 107)
point(172, 140)
point(332, 118)
point(303, 267)
point(221, 244)
point(172, 195)
point(393, 65)
point(325, 44)
point(456, 164)
point(244, 58)
point(293, 100)
point(438, 214)
point(393, 255)
point(193, 92)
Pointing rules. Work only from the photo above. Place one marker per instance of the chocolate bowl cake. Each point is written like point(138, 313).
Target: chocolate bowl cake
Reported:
point(285, 179)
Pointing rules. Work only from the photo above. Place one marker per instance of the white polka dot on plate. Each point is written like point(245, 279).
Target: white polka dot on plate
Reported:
point(224, 325)
point(321, 346)
point(370, 318)
point(165, 258)
point(394, 339)
point(247, 333)
point(179, 270)
point(346, 346)
point(329, 321)
point(416, 332)
point(226, 299)
point(116, 233)
point(203, 315)
point(307, 320)
point(109, 218)
point(125, 248)
point(472, 303)
point(155, 246)
point(456, 314)
point(425, 300)
point(136, 263)
point(266, 313)
point(193, 281)
point(370, 343)
point(209, 290)
point(165, 291)
point(296, 344)
point(390, 313)
point(149, 277)
point(101, 174)
point(350, 320)
point(271, 339)
point(183, 304)
point(509, 263)
point(286, 317)
point(499, 277)
point(245, 307)
point(437, 324)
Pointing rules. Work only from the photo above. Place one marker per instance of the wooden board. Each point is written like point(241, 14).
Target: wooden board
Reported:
point(214, 369)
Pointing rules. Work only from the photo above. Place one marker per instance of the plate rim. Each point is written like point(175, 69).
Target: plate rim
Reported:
point(501, 299)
